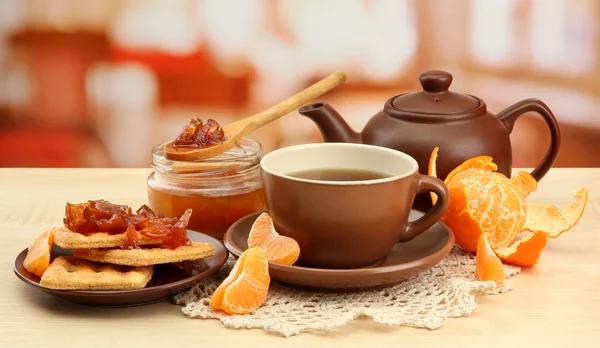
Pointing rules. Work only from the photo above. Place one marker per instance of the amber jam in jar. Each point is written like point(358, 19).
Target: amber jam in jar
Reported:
point(219, 190)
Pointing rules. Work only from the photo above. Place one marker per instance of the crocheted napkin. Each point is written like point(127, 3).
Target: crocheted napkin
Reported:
point(446, 290)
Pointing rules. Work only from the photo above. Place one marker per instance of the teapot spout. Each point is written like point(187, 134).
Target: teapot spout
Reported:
point(332, 126)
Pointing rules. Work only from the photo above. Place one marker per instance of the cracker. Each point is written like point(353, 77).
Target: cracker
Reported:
point(145, 257)
point(69, 273)
point(67, 239)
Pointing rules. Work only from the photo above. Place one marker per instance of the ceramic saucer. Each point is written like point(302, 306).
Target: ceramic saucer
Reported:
point(168, 279)
point(404, 261)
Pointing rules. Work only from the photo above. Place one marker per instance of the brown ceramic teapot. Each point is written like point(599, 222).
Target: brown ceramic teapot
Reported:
point(459, 124)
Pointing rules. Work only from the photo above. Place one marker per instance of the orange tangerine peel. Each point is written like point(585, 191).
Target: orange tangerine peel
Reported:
point(525, 251)
point(524, 182)
point(487, 213)
point(549, 220)
point(479, 162)
point(279, 249)
point(463, 221)
point(487, 264)
point(247, 285)
point(37, 259)
point(432, 171)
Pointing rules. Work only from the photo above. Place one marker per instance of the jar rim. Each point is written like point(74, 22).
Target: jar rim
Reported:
point(248, 152)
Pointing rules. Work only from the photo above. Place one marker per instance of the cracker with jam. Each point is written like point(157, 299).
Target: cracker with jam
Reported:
point(113, 248)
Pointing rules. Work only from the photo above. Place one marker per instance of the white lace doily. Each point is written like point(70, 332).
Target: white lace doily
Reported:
point(446, 290)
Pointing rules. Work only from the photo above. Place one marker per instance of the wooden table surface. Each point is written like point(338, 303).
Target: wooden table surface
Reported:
point(555, 303)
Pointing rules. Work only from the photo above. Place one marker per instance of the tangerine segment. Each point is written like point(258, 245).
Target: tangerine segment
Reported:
point(524, 252)
point(549, 220)
point(524, 182)
point(251, 287)
point(216, 300)
point(432, 171)
point(487, 265)
point(279, 249)
point(480, 162)
point(37, 259)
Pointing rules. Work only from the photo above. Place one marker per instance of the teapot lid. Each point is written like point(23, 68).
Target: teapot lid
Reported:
point(435, 97)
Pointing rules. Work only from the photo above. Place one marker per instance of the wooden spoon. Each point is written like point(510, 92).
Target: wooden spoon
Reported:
point(234, 132)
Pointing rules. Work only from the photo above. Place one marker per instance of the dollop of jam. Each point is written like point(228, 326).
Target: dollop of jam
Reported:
point(103, 216)
point(197, 134)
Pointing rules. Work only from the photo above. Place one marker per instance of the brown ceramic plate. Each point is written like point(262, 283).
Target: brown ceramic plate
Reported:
point(168, 279)
point(404, 261)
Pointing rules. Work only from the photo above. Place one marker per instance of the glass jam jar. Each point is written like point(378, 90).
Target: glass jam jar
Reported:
point(219, 190)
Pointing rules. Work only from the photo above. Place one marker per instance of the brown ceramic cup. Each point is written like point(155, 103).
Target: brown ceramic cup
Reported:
point(347, 224)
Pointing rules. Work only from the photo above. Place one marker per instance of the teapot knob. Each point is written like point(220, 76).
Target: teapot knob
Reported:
point(435, 81)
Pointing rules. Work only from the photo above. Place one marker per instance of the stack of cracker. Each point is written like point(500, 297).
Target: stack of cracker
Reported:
point(99, 262)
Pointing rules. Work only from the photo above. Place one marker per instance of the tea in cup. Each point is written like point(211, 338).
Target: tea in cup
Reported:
point(346, 205)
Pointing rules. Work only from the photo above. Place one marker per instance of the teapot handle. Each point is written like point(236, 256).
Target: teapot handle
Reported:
point(510, 115)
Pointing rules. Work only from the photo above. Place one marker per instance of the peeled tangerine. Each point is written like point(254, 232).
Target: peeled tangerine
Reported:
point(37, 259)
point(488, 215)
point(247, 285)
point(279, 249)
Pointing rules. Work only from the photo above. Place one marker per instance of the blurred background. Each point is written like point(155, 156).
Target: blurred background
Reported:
point(98, 83)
